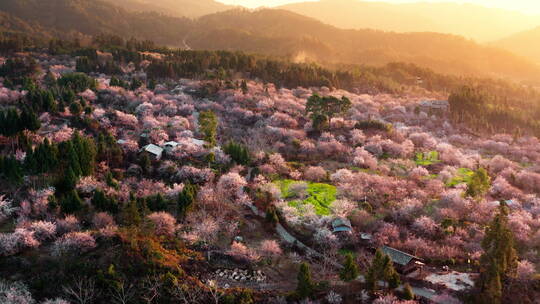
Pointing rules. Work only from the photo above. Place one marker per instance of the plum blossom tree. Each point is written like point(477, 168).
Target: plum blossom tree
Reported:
point(525, 270)
point(334, 298)
point(314, 173)
point(364, 159)
point(68, 224)
point(418, 173)
point(270, 248)
point(56, 301)
point(423, 140)
point(278, 163)
point(163, 223)
point(6, 208)
point(15, 293)
point(43, 230)
point(240, 250)
point(386, 234)
point(283, 120)
point(425, 225)
point(102, 219)
point(528, 181)
point(357, 137)
point(342, 176)
point(343, 207)
point(74, 242)
point(231, 185)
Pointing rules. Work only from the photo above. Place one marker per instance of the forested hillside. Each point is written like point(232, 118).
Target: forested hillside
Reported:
point(178, 8)
point(76, 17)
point(133, 173)
point(276, 32)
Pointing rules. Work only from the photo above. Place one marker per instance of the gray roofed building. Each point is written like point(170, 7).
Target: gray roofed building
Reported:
point(154, 150)
point(435, 104)
point(341, 224)
point(404, 262)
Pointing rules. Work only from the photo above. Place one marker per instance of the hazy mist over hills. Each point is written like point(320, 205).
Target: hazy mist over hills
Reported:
point(274, 32)
point(526, 44)
point(468, 20)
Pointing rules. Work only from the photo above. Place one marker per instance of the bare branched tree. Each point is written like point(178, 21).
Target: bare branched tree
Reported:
point(213, 289)
point(81, 291)
point(122, 294)
point(189, 294)
point(151, 287)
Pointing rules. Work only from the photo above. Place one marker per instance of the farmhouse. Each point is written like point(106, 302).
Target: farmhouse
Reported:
point(170, 146)
point(434, 105)
point(153, 150)
point(404, 262)
point(340, 225)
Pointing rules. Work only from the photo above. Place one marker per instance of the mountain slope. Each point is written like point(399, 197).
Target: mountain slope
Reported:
point(441, 52)
point(274, 32)
point(526, 44)
point(472, 21)
point(178, 8)
point(62, 17)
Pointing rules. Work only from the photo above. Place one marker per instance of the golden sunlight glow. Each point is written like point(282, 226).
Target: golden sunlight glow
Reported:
point(524, 6)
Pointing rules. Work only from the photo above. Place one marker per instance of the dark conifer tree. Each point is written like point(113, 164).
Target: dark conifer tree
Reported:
point(305, 286)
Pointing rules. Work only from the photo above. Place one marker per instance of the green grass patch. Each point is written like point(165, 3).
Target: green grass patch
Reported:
point(427, 158)
point(463, 175)
point(321, 196)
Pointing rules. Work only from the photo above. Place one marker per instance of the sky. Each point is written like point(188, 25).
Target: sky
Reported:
point(524, 6)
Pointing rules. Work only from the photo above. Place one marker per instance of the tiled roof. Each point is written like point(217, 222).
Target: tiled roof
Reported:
point(397, 256)
point(151, 148)
point(338, 222)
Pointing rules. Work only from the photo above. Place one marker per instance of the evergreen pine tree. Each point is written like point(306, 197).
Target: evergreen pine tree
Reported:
point(157, 203)
point(244, 87)
point(499, 260)
point(479, 184)
point(382, 269)
point(408, 294)
point(208, 123)
point(131, 214)
point(68, 181)
point(186, 199)
point(75, 108)
point(71, 202)
point(71, 157)
point(350, 269)
point(29, 120)
point(305, 285)
point(145, 163)
point(271, 215)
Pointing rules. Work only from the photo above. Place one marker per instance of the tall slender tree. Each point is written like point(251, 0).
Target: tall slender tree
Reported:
point(208, 123)
point(305, 286)
point(499, 260)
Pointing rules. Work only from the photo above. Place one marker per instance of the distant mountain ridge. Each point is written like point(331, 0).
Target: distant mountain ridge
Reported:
point(468, 20)
point(177, 8)
point(526, 44)
point(270, 32)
